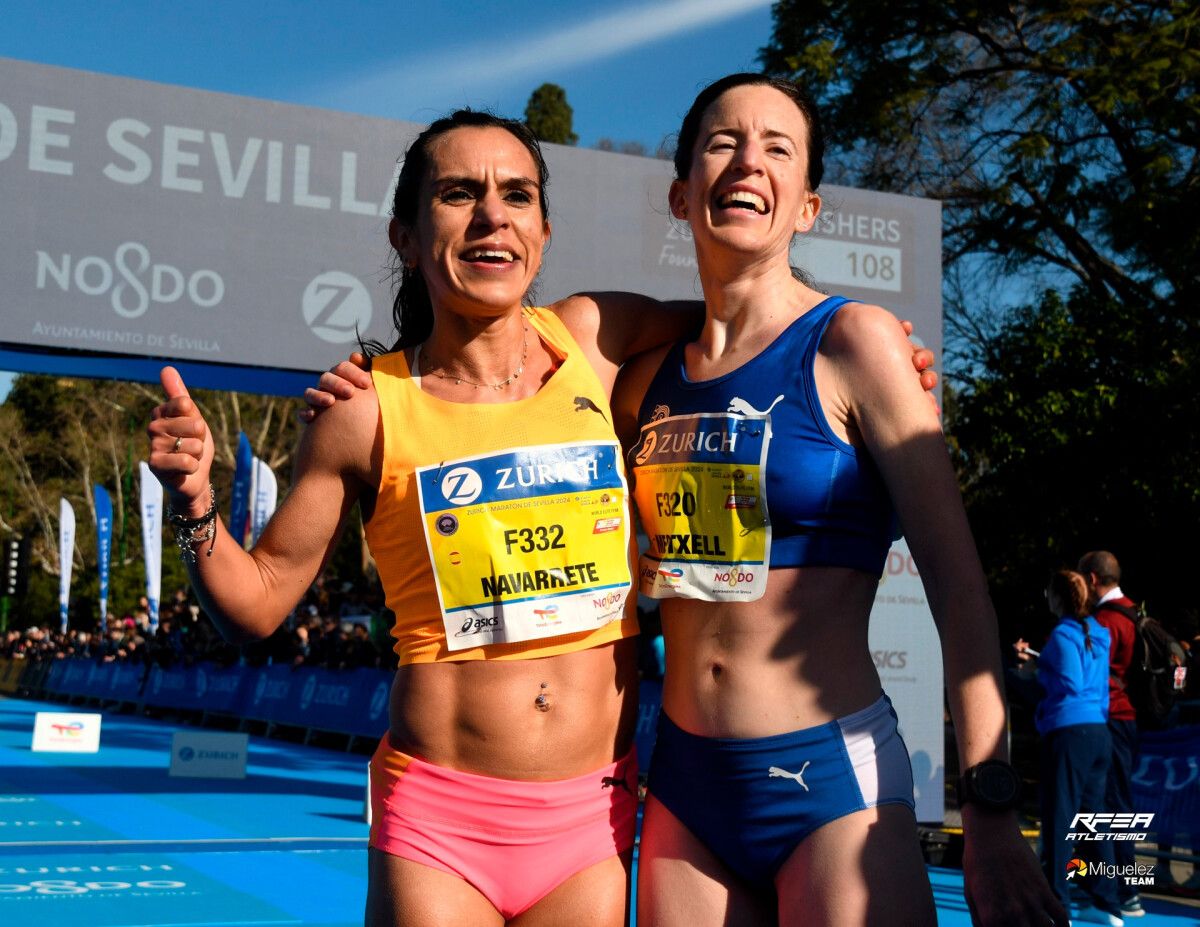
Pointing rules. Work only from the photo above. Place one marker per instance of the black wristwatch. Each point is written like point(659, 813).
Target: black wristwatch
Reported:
point(992, 784)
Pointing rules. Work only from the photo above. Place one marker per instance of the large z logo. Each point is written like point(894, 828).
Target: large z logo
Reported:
point(337, 307)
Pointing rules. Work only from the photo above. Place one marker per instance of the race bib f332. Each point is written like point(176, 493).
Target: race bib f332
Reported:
point(527, 543)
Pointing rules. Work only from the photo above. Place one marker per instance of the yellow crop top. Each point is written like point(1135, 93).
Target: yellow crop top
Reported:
point(503, 531)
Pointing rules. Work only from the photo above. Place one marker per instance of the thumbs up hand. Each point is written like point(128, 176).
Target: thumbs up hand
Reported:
point(181, 447)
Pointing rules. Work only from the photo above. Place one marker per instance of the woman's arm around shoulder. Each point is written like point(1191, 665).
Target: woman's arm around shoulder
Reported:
point(632, 382)
point(613, 327)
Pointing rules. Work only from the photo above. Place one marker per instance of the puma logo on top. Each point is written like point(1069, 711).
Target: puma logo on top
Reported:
point(741, 407)
point(775, 772)
point(584, 404)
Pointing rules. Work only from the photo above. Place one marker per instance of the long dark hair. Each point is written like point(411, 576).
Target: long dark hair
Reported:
point(1071, 589)
point(689, 131)
point(412, 311)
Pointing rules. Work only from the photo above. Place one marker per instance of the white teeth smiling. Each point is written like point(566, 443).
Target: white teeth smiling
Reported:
point(743, 198)
point(485, 254)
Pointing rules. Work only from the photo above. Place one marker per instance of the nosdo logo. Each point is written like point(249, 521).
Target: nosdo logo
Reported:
point(187, 754)
point(1076, 867)
point(201, 683)
point(671, 577)
point(141, 282)
point(310, 689)
point(461, 486)
point(732, 578)
point(380, 699)
point(336, 307)
point(608, 600)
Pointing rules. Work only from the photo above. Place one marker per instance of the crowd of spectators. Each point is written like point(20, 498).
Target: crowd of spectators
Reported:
point(338, 625)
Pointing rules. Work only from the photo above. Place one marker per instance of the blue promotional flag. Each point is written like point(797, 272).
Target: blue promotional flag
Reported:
point(104, 516)
point(239, 512)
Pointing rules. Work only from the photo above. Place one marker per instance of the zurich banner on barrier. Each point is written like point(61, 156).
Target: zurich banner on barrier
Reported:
point(348, 702)
point(1166, 780)
point(353, 702)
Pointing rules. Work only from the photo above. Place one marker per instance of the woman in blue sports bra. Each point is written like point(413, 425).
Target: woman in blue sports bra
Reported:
point(772, 460)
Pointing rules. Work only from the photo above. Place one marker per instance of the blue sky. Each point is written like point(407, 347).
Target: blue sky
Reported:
point(630, 67)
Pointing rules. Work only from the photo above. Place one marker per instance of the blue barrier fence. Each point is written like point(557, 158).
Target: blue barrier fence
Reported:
point(351, 702)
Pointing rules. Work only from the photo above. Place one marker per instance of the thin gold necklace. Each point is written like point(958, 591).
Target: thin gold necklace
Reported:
point(426, 362)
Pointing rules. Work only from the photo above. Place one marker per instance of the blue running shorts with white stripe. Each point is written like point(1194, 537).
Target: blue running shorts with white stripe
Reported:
point(751, 802)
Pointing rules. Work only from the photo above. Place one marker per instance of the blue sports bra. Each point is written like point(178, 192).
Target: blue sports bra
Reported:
point(751, 455)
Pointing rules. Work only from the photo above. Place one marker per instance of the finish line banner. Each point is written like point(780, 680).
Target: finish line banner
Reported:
point(228, 230)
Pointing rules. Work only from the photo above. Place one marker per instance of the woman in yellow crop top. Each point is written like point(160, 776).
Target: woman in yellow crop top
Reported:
point(483, 426)
point(483, 456)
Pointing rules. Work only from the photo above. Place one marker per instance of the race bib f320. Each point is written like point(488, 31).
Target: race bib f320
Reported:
point(527, 543)
point(701, 494)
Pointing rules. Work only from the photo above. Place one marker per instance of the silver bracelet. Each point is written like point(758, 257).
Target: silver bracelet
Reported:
point(192, 531)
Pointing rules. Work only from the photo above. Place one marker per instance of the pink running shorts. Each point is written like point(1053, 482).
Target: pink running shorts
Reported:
point(515, 841)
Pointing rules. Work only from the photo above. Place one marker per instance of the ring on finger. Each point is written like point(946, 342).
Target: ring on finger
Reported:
point(178, 445)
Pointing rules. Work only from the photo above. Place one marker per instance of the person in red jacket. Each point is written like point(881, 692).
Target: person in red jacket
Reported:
point(1103, 574)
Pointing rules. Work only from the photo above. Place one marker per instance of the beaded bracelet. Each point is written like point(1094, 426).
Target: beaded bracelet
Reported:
point(192, 531)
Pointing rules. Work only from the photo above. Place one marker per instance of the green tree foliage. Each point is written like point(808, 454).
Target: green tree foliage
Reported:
point(1063, 140)
point(549, 115)
point(1081, 435)
point(1062, 137)
point(59, 437)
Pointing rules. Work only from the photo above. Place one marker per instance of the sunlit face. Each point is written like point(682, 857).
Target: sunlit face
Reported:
point(748, 186)
point(480, 231)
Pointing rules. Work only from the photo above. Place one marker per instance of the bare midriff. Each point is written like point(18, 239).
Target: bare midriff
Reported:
point(485, 717)
point(796, 658)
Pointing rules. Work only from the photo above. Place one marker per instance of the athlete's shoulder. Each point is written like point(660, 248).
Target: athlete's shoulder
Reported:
point(862, 333)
